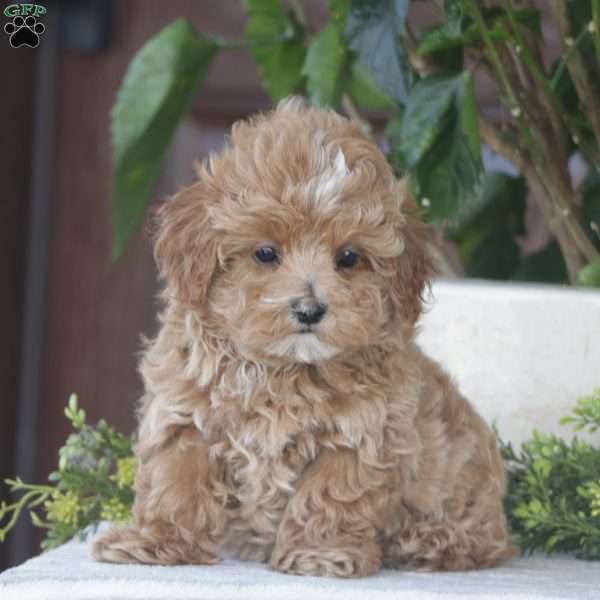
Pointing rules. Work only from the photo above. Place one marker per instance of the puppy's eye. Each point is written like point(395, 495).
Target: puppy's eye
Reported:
point(266, 254)
point(347, 259)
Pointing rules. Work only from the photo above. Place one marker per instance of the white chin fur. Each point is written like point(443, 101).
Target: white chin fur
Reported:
point(303, 347)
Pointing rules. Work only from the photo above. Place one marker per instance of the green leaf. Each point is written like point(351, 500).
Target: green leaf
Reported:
point(435, 103)
point(487, 225)
point(521, 511)
point(157, 90)
point(591, 206)
point(37, 521)
point(460, 31)
point(492, 254)
point(338, 9)
point(454, 9)
point(590, 274)
point(551, 542)
point(448, 176)
point(440, 142)
point(580, 15)
point(535, 506)
point(545, 266)
point(73, 404)
point(393, 136)
point(374, 31)
point(280, 63)
point(364, 90)
point(426, 116)
point(445, 36)
point(469, 117)
point(498, 191)
point(499, 26)
point(324, 67)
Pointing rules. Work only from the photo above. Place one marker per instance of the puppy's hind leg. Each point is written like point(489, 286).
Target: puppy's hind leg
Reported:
point(175, 517)
point(478, 540)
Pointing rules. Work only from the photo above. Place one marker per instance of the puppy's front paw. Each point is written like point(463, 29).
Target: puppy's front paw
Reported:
point(331, 562)
point(130, 545)
point(122, 545)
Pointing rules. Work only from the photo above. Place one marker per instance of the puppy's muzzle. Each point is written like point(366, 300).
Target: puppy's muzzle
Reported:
point(308, 312)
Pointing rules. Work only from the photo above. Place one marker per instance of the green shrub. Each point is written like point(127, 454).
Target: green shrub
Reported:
point(553, 500)
point(369, 57)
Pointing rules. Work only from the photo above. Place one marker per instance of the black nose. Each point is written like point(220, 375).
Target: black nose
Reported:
point(308, 313)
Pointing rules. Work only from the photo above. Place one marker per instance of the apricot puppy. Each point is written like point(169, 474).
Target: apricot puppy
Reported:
point(289, 415)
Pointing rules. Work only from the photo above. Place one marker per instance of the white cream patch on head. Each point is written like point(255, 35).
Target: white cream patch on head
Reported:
point(339, 165)
point(294, 104)
point(324, 188)
point(303, 347)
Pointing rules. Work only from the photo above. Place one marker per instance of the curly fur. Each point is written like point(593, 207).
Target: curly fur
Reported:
point(325, 453)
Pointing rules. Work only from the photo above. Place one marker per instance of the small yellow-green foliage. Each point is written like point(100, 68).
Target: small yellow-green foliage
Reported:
point(94, 481)
point(553, 499)
point(116, 511)
point(591, 491)
point(125, 474)
point(586, 415)
point(64, 508)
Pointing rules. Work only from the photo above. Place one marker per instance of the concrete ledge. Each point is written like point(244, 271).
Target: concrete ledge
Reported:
point(522, 354)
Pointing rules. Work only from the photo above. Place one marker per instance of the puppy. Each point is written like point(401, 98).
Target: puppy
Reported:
point(289, 415)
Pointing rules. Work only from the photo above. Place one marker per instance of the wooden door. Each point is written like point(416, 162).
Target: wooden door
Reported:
point(93, 312)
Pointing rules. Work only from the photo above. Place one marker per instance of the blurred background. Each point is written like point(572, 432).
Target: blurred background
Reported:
point(70, 319)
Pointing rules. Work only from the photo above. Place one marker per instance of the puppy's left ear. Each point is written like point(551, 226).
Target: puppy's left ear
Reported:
point(414, 267)
point(185, 246)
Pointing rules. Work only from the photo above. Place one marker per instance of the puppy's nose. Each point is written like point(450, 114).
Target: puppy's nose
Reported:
point(308, 312)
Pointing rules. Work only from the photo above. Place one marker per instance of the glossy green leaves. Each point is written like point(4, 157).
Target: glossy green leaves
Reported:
point(439, 140)
point(374, 31)
point(157, 91)
point(276, 45)
point(324, 67)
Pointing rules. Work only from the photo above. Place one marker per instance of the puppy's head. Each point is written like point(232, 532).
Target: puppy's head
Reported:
point(296, 244)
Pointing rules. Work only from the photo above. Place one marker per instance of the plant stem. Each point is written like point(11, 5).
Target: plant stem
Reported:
point(546, 173)
point(525, 52)
point(477, 16)
point(42, 493)
point(567, 55)
point(596, 22)
point(555, 111)
point(577, 68)
point(351, 110)
point(299, 13)
point(506, 85)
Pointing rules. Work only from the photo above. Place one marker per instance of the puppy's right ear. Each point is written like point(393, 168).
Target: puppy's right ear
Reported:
point(185, 249)
point(415, 265)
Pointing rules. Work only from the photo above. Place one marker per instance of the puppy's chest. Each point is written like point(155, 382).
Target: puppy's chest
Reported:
point(272, 420)
point(261, 451)
point(268, 431)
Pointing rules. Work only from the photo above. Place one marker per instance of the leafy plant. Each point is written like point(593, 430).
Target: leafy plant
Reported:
point(94, 482)
point(553, 498)
point(369, 56)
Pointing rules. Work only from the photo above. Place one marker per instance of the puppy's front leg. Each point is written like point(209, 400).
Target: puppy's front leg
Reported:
point(330, 524)
point(175, 515)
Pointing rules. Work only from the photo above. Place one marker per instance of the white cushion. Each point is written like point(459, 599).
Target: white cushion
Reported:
point(69, 573)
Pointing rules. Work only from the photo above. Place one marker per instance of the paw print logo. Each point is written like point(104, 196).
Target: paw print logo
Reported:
point(24, 31)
